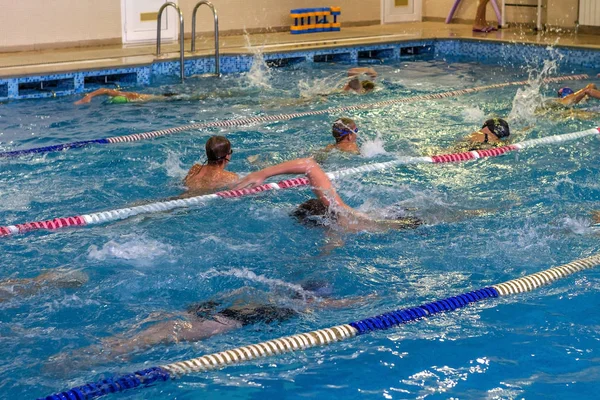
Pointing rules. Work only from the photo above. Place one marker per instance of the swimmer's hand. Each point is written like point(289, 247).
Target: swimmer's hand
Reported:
point(250, 181)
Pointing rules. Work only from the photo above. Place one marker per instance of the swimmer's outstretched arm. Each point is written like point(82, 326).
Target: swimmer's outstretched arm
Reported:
point(590, 90)
point(114, 93)
point(99, 92)
point(319, 181)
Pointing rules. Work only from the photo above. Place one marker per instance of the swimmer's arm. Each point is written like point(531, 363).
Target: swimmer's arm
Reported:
point(339, 303)
point(593, 92)
point(578, 96)
point(99, 92)
point(319, 181)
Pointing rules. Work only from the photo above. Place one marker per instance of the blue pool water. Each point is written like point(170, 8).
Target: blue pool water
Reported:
point(538, 345)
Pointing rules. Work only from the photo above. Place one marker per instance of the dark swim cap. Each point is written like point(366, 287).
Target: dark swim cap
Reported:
point(498, 126)
point(564, 92)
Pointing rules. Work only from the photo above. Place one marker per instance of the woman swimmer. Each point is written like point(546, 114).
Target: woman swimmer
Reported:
point(491, 135)
point(202, 179)
point(328, 207)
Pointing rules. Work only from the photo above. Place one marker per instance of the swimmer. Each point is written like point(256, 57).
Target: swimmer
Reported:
point(118, 97)
point(567, 97)
point(10, 288)
point(360, 86)
point(209, 177)
point(328, 207)
point(491, 135)
point(203, 320)
point(344, 131)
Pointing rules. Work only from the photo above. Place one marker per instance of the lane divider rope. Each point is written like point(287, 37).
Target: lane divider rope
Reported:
point(272, 118)
point(322, 337)
point(162, 206)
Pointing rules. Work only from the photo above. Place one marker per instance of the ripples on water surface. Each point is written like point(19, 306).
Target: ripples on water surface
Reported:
point(542, 344)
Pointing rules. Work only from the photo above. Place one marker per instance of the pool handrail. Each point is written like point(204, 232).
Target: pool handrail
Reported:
point(216, 28)
point(181, 33)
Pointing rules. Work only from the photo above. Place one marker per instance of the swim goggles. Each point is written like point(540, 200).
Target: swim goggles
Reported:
point(223, 157)
point(344, 131)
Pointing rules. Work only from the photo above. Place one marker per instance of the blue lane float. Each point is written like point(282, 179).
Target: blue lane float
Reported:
point(50, 149)
point(320, 337)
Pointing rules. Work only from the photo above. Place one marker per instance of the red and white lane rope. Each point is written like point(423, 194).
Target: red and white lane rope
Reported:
point(284, 117)
point(122, 213)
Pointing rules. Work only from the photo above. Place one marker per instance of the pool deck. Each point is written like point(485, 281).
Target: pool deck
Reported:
point(116, 56)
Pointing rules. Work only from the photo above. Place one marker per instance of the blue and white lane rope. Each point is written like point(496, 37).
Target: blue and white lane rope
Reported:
point(271, 118)
point(320, 337)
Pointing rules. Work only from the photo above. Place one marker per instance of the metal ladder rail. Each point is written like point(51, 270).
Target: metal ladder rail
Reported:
point(181, 34)
point(216, 27)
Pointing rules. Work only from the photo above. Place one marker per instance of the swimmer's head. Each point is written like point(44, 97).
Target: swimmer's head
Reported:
point(313, 212)
point(367, 86)
point(498, 127)
point(344, 128)
point(318, 287)
point(564, 92)
point(170, 94)
point(218, 149)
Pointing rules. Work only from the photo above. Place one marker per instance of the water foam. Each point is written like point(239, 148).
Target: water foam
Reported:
point(248, 275)
point(173, 166)
point(372, 148)
point(138, 250)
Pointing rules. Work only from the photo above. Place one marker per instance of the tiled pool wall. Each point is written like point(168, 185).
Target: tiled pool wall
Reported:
point(480, 51)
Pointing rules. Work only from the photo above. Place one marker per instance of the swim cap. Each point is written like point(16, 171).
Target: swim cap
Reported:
point(119, 100)
point(498, 126)
point(564, 92)
point(342, 127)
point(367, 85)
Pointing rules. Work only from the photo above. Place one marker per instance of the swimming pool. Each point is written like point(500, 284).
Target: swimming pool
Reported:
point(541, 344)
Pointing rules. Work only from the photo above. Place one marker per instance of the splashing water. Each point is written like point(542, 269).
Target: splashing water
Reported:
point(259, 74)
point(529, 99)
point(311, 88)
point(246, 274)
point(374, 147)
point(474, 115)
point(139, 250)
point(173, 166)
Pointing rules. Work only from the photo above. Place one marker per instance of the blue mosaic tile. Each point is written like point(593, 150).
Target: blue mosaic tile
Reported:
point(469, 49)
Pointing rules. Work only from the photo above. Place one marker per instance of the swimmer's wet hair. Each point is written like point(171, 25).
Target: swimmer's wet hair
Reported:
point(342, 127)
point(217, 148)
point(498, 126)
point(313, 212)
